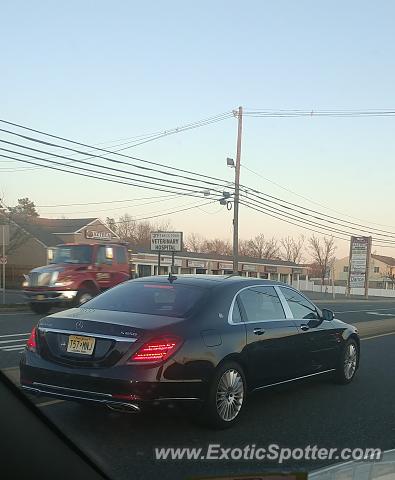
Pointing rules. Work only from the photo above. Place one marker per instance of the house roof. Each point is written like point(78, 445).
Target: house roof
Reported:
point(225, 258)
point(45, 229)
point(63, 225)
point(387, 260)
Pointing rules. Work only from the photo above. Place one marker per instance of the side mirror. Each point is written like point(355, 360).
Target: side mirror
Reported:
point(327, 314)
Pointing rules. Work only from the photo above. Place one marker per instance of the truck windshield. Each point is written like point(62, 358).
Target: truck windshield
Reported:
point(73, 254)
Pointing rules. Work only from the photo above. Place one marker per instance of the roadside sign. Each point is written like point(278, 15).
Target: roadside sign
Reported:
point(3, 260)
point(360, 248)
point(166, 241)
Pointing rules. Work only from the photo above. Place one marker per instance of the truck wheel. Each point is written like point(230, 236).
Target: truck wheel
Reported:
point(83, 296)
point(40, 308)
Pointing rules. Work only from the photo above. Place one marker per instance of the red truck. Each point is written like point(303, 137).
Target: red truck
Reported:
point(76, 273)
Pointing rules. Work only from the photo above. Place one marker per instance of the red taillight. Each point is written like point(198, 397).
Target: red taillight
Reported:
point(31, 343)
point(156, 350)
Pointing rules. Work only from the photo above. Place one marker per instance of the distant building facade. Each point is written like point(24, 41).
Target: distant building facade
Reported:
point(381, 272)
point(145, 263)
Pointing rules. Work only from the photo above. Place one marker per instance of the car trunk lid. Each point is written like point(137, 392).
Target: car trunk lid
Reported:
point(95, 338)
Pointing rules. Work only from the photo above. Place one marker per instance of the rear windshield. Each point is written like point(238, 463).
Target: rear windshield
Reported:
point(150, 298)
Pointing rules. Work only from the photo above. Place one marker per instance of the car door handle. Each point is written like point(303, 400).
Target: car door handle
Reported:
point(259, 331)
point(304, 327)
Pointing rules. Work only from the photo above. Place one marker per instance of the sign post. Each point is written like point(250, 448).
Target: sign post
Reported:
point(166, 242)
point(359, 261)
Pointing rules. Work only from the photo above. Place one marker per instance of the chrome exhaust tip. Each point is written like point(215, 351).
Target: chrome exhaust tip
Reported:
point(124, 407)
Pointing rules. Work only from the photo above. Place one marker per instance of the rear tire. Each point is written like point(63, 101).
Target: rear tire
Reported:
point(226, 397)
point(40, 308)
point(348, 363)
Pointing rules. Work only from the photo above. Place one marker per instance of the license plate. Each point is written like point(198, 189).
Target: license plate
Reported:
point(40, 297)
point(79, 344)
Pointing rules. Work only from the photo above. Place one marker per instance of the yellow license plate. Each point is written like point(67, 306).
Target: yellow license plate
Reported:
point(40, 297)
point(79, 344)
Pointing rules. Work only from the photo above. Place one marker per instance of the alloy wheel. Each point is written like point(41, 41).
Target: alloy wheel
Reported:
point(230, 395)
point(350, 361)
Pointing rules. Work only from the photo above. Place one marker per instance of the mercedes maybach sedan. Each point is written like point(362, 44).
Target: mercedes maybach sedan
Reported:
point(204, 339)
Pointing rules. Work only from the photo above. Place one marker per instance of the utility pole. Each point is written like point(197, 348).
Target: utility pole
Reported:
point(237, 191)
point(333, 280)
point(4, 262)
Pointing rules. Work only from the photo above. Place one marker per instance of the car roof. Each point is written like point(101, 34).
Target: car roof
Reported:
point(202, 280)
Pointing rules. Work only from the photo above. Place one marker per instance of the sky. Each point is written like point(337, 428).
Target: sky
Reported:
point(97, 71)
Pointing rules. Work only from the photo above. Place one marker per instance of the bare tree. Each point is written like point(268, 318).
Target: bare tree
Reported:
point(125, 227)
point(111, 223)
point(218, 246)
point(292, 250)
point(389, 276)
point(137, 233)
point(194, 243)
point(323, 254)
point(259, 247)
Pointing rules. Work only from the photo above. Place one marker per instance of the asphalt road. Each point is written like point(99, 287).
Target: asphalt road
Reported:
point(313, 413)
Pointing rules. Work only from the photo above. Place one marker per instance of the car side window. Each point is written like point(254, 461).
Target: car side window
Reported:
point(261, 303)
point(300, 307)
point(236, 315)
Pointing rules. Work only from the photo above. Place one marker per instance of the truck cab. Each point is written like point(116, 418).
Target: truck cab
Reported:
point(76, 273)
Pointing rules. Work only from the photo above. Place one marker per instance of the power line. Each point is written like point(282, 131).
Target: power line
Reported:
point(204, 187)
point(265, 208)
point(107, 201)
point(333, 219)
point(229, 115)
point(191, 193)
point(170, 213)
point(319, 113)
point(308, 199)
point(170, 197)
point(100, 166)
point(257, 209)
point(152, 137)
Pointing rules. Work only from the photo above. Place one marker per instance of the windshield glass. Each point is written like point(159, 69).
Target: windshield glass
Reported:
point(73, 254)
point(149, 298)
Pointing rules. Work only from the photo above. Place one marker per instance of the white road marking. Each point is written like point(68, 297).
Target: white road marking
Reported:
point(380, 314)
point(354, 311)
point(378, 336)
point(13, 340)
point(10, 348)
point(15, 335)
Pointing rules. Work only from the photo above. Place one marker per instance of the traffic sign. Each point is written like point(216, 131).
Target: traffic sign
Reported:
point(3, 260)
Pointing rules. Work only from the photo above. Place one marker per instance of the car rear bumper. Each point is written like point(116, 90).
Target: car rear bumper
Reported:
point(50, 296)
point(122, 385)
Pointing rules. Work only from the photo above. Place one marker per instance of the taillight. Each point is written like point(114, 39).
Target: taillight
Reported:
point(32, 343)
point(156, 350)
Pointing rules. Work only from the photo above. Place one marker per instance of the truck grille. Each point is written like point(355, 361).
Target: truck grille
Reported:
point(40, 279)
